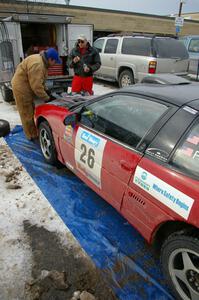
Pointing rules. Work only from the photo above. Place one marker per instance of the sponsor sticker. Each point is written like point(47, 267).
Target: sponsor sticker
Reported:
point(89, 150)
point(68, 133)
point(190, 110)
point(190, 147)
point(163, 192)
point(158, 153)
point(193, 139)
point(196, 155)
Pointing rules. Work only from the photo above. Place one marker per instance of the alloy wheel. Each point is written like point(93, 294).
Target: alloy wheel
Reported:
point(45, 143)
point(184, 272)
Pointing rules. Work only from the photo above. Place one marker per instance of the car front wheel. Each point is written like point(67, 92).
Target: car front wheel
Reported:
point(47, 143)
point(126, 78)
point(180, 262)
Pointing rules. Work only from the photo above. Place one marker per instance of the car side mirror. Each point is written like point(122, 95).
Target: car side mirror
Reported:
point(71, 120)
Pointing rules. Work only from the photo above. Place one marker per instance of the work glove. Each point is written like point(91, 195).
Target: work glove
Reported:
point(51, 97)
point(48, 92)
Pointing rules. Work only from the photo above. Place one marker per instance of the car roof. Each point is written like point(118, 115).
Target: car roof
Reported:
point(178, 95)
point(137, 37)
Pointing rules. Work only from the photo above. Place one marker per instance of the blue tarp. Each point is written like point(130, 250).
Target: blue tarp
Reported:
point(115, 246)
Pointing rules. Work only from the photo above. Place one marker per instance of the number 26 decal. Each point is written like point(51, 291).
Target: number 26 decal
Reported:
point(90, 160)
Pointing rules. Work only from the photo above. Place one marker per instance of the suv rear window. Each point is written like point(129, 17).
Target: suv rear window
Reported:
point(170, 48)
point(136, 46)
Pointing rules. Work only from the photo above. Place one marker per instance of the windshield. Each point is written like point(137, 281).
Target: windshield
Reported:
point(170, 48)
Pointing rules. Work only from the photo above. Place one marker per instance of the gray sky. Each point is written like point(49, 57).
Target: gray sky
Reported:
point(157, 7)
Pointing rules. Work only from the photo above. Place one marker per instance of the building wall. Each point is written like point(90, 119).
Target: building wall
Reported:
point(113, 21)
point(192, 16)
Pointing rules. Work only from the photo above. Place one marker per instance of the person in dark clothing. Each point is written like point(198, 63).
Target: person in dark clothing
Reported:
point(85, 60)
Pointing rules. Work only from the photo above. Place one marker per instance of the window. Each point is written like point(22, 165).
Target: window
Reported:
point(123, 117)
point(99, 44)
point(136, 46)
point(186, 158)
point(111, 46)
point(6, 56)
point(194, 45)
point(170, 48)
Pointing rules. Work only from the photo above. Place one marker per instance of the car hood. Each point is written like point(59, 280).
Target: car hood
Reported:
point(70, 101)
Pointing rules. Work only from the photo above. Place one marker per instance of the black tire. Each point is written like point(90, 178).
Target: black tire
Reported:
point(47, 144)
point(126, 78)
point(4, 127)
point(7, 94)
point(180, 263)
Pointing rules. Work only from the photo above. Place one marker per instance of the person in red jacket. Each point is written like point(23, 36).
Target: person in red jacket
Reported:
point(85, 60)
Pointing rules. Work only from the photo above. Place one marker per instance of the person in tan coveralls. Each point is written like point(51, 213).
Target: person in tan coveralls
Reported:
point(28, 82)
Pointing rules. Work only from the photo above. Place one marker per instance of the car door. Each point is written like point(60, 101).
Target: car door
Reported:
point(107, 141)
point(109, 59)
point(159, 191)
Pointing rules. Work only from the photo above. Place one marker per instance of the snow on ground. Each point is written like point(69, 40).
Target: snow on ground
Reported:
point(9, 113)
point(21, 200)
point(101, 87)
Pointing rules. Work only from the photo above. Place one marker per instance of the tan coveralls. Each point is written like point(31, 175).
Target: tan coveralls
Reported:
point(27, 82)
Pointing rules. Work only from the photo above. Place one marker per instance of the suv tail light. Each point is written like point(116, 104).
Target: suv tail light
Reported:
point(152, 67)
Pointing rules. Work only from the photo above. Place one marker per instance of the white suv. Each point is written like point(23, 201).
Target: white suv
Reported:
point(128, 59)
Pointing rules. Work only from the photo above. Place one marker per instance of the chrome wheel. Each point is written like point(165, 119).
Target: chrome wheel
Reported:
point(45, 143)
point(184, 271)
point(126, 80)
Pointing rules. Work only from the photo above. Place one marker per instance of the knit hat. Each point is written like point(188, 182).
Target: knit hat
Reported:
point(53, 54)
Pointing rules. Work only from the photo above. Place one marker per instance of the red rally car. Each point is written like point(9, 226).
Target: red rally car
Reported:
point(138, 148)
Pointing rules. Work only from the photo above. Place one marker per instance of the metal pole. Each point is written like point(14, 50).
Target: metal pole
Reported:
point(180, 9)
point(179, 14)
point(27, 8)
point(197, 72)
